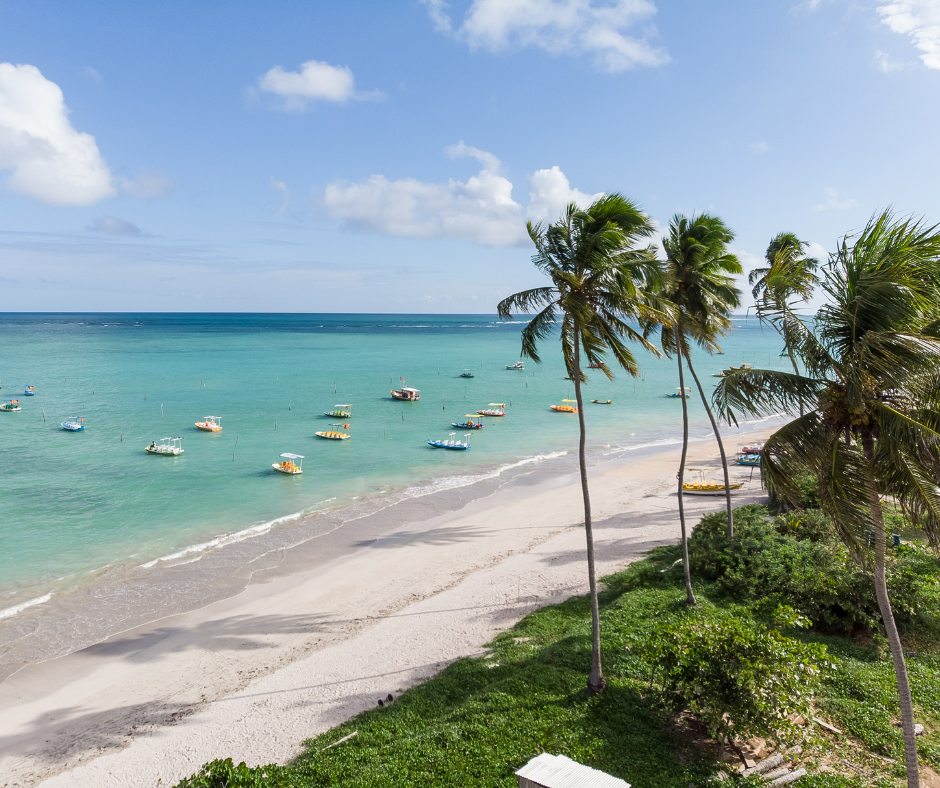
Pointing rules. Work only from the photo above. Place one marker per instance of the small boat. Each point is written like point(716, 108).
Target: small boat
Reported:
point(594, 366)
point(748, 460)
point(210, 424)
point(678, 394)
point(517, 365)
point(171, 447)
point(755, 448)
point(74, 424)
point(341, 412)
point(785, 353)
point(494, 409)
point(406, 393)
point(467, 373)
point(289, 466)
point(601, 401)
point(469, 424)
point(566, 408)
point(29, 391)
point(335, 435)
point(742, 368)
point(10, 405)
point(451, 443)
point(722, 374)
point(703, 487)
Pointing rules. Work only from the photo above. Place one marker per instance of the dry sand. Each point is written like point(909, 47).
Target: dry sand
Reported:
point(251, 677)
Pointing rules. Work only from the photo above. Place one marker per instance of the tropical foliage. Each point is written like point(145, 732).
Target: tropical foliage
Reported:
point(600, 279)
point(870, 399)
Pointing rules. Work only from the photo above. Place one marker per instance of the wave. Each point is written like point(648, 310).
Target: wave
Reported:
point(12, 611)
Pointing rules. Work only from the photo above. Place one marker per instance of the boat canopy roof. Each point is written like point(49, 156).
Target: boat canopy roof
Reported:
point(214, 418)
point(290, 456)
point(569, 400)
point(470, 415)
point(342, 406)
point(497, 404)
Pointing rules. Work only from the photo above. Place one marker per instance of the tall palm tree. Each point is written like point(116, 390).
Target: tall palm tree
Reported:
point(699, 284)
point(871, 394)
point(599, 280)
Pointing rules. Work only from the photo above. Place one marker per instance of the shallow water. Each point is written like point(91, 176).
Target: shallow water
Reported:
point(90, 516)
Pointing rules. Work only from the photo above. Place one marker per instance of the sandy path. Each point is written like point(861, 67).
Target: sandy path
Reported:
point(251, 677)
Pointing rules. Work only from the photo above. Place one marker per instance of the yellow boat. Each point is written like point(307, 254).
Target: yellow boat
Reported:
point(210, 424)
point(289, 466)
point(565, 408)
point(703, 487)
point(335, 435)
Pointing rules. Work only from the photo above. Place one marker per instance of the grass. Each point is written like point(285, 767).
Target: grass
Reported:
point(480, 719)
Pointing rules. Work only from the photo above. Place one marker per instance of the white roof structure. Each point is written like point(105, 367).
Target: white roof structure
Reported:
point(557, 771)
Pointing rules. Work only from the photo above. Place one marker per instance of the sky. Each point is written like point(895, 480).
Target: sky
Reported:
point(372, 156)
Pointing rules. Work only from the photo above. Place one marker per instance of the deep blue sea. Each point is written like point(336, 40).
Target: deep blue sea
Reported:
point(82, 514)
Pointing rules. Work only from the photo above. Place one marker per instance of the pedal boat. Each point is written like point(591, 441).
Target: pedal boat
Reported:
point(335, 434)
point(74, 424)
point(469, 424)
point(210, 424)
point(565, 408)
point(169, 447)
point(341, 412)
point(10, 406)
point(495, 409)
point(288, 465)
point(451, 443)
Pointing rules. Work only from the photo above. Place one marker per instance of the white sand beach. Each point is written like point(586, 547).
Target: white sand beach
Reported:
point(252, 676)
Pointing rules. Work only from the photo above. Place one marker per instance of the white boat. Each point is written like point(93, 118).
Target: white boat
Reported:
point(495, 409)
point(74, 424)
point(171, 447)
point(406, 393)
point(10, 406)
point(289, 466)
point(210, 424)
point(517, 365)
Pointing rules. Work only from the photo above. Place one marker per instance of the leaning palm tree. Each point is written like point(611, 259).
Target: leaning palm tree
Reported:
point(871, 394)
point(599, 280)
point(699, 285)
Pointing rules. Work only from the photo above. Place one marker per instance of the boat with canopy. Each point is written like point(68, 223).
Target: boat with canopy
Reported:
point(518, 365)
point(451, 443)
point(29, 391)
point(339, 434)
point(292, 464)
point(210, 424)
point(467, 373)
point(678, 394)
point(169, 447)
point(469, 424)
point(495, 409)
point(74, 424)
point(10, 405)
point(340, 412)
point(406, 393)
point(566, 408)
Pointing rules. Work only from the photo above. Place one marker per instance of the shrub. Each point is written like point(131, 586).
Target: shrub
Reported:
point(737, 678)
point(224, 774)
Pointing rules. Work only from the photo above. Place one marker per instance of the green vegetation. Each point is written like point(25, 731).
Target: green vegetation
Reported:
point(481, 718)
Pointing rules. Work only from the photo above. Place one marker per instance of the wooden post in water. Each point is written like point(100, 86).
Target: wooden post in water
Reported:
point(43, 415)
point(235, 449)
point(275, 425)
point(161, 411)
point(122, 436)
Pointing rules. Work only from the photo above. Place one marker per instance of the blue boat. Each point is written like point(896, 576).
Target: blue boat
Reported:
point(74, 424)
point(30, 391)
point(451, 443)
point(469, 424)
point(467, 373)
point(750, 460)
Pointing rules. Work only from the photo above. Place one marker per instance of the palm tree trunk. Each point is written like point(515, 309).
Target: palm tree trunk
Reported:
point(887, 617)
point(721, 447)
point(690, 595)
point(596, 682)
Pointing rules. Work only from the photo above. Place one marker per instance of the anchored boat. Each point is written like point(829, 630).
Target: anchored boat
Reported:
point(210, 424)
point(469, 424)
point(288, 465)
point(340, 412)
point(451, 443)
point(74, 424)
point(679, 394)
point(170, 447)
point(566, 408)
point(406, 393)
point(517, 365)
point(29, 391)
point(494, 409)
point(601, 401)
point(467, 373)
point(336, 435)
point(10, 405)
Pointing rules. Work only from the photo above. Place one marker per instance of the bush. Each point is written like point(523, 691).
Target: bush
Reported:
point(224, 774)
point(737, 678)
point(797, 559)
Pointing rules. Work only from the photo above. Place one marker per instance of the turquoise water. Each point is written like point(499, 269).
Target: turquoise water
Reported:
point(76, 505)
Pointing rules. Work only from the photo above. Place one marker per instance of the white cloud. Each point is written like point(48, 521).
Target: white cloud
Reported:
point(759, 147)
point(147, 185)
point(885, 64)
point(284, 190)
point(919, 19)
point(48, 159)
point(551, 194)
point(316, 81)
point(480, 209)
point(111, 225)
point(834, 201)
point(558, 26)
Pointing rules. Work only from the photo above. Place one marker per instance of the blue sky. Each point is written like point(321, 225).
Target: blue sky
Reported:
point(383, 157)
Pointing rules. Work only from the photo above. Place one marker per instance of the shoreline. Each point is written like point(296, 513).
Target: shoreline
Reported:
point(234, 678)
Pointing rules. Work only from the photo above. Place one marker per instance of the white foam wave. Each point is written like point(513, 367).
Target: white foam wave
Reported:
point(12, 611)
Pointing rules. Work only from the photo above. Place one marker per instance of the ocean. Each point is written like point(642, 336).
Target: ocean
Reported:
point(98, 536)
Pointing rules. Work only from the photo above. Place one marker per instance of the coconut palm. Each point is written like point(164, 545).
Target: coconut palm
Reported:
point(871, 394)
point(699, 284)
point(599, 279)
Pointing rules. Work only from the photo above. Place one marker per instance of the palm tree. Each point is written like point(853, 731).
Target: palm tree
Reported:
point(871, 394)
point(599, 280)
point(699, 285)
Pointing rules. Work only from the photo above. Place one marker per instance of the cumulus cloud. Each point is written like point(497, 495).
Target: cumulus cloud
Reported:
point(834, 201)
point(281, 187)
point(558, 26)
point(920, 20)
point(315, 81)
point(480, 209)
point(111, 225)
point(48, 159)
